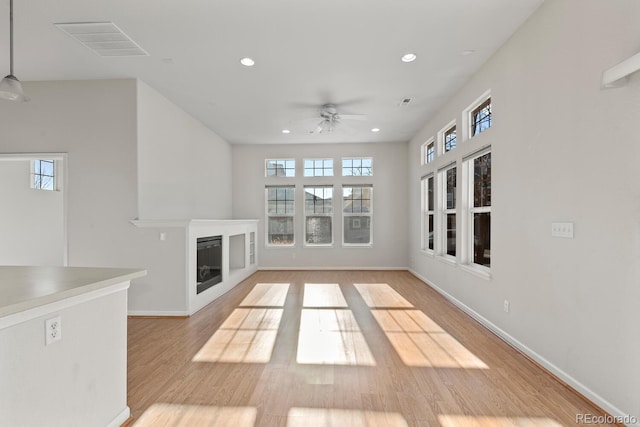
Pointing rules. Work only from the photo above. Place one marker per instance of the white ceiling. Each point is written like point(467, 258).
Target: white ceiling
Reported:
point(307, 53)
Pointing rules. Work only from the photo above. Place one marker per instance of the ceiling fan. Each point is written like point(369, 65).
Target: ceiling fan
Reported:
point(330, 119)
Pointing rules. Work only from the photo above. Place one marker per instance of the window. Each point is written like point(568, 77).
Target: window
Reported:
point(448, 185)
point(428, 152)
point(280, 167)
point(449, 138)
point(318, 215)
point(480, 208)
point(280, 214)
point(318, 167)
point(43, 175)
point(360, 166)
point(481, 118)
point(356, 210)
point(428, 212)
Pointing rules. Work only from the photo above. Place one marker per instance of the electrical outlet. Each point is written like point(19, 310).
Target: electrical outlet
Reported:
point(562, 229)
point(506, 306)
point(52, 330)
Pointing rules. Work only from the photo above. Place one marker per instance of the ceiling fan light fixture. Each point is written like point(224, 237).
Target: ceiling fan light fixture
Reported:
point(247, 62)
point(409, 57)
point(11, 89)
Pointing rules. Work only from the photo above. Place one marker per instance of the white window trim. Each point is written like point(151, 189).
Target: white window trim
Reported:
point(468, 211)
point(305, 215)
point(441, 133)
point(423, 151)
point(466, 115)
point(424, 242)
point(282, 159)
point(314, 168)
point(267, 216)
point(355, 158)
point(348, 214)
point(441, 218)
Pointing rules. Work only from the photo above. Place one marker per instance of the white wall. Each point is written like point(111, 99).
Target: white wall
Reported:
point(184, 168)
point(562, 150)
point(389, 201)
point(31, 221)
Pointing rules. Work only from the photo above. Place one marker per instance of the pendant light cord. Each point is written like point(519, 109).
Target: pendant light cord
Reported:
point(11, 37)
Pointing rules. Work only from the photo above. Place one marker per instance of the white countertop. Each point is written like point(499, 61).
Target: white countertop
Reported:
point(23, 288)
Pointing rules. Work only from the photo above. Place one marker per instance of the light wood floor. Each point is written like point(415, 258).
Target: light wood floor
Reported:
point(335, 348)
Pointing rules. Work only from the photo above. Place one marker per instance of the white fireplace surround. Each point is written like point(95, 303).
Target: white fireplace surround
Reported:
point(239, 255)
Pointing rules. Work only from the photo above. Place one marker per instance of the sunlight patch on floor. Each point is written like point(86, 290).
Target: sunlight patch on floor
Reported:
point(247, 336)
point(323, 295)
point(332, 337)
point(381, 295)
point(266, 295)
point(173, 415)
point(315, 417)
point(419, 341)
point(482, 421)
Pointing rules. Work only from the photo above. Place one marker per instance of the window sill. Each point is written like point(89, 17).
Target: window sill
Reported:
point(348, 246)
point(279, 246)
point(476, 271)
point(430, 254)
point(447, 259)
point(307, 245)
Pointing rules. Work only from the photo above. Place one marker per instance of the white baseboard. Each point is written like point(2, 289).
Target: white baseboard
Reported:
point(331, 268)
point(121, 418)
point(519, 346)
point(157, 313)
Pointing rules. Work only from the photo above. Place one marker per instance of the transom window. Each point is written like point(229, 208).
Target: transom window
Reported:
point(318, 212)
point(43, 175)
point(357, 166)
point(357, 211)
point(449, 138)
point(280, 215)
point(280, 167)
point(481, 118)
point(318, 167)
point(428, 151)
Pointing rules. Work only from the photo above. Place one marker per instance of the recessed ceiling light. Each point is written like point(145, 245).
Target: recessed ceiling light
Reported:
point(375, 130)
point(286, 131)
point(409, 57)
point(467, 52)
point(247, 62)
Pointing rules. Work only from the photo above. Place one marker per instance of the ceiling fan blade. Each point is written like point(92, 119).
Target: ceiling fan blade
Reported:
point(353, 117)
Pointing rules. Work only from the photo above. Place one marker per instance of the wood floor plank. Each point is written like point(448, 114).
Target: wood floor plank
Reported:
point(389, 351)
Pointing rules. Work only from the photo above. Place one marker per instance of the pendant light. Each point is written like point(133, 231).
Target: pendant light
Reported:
point(10, 86)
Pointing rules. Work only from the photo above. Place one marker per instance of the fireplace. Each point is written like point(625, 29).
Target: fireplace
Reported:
point(208, 262)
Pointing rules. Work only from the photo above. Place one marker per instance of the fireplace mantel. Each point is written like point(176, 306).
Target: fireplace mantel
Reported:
point(239, 259)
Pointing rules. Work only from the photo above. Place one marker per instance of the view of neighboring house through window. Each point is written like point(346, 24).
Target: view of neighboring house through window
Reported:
point(280, 215)
point(428, 214)
point(357, 166)
point(480, 208)
point(43, 176)
point(318, 213)
point(448, 180)
point(481, 118)
point(449, 138)
point(280, 167)
point(318, 167)
point(357, 211)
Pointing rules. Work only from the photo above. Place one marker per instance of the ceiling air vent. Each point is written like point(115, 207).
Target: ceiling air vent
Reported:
point(404, 102)
point(104, 38)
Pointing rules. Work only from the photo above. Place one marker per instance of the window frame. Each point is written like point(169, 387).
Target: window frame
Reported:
point(471, 210)
point(424, 151)
point(322, 168)
point(268, 215)
point(285, 160)
point(442, 136)
point(343, 167)
point(428, 212)
point(53, 176)
point(346, 215)
point(442, 231)
point(468, 115)
point(305, 215)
